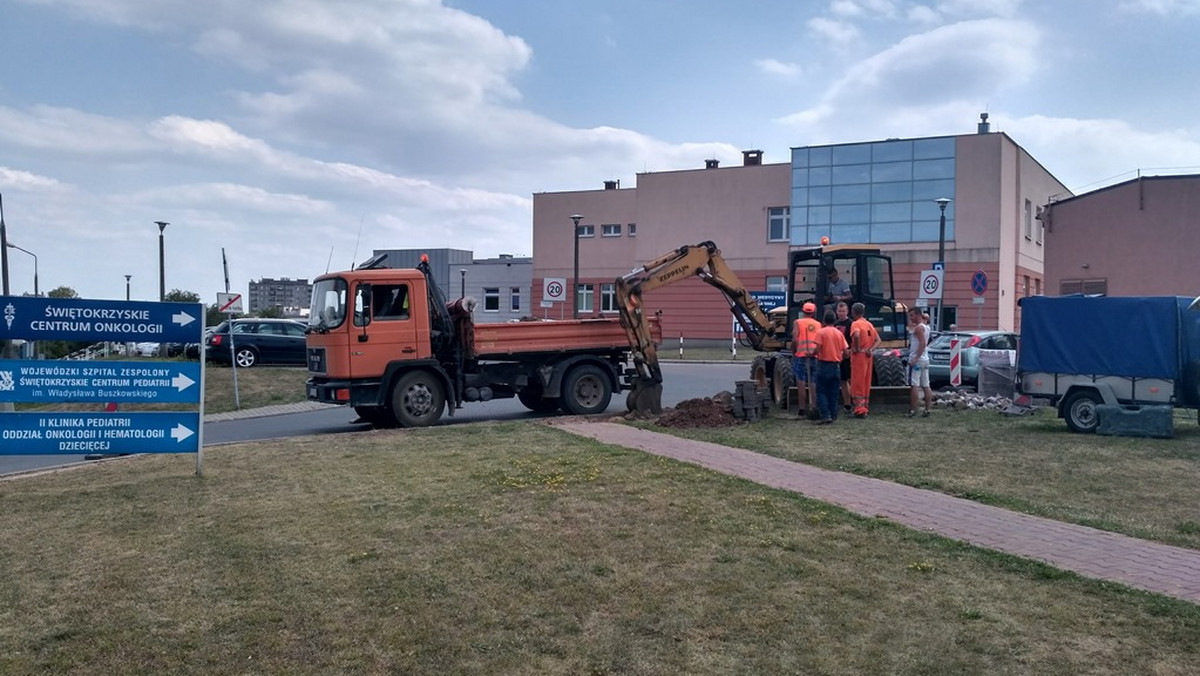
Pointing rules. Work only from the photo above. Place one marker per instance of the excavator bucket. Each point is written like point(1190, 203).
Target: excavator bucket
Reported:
point(645, 398)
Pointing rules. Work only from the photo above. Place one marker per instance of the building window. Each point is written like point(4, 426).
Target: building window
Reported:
point(587, 231)
point(776, 283)
point(515, 302)
point(632, 229)
point(778, 224)
point(491, 299)
point(1041, 226)
point(1037, 287)
point(1090, 287)
point(608, 297)
point(1025, 291)
point(1028, 219)
point(586, 301)
point(610, 230)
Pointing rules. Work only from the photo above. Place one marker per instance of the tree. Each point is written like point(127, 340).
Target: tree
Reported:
point(177, 296)
point(62, 292)
point(272, 311)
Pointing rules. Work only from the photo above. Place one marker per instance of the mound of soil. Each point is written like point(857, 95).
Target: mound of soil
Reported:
point(706, 412)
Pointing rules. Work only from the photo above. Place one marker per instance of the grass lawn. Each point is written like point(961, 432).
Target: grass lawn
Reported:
point(517, 548)
point(1140, 487)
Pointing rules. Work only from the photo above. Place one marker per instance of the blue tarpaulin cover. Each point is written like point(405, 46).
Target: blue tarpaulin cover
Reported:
point(1109, 336)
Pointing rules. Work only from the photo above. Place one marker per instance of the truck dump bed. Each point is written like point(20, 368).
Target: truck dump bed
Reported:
point(499, 341)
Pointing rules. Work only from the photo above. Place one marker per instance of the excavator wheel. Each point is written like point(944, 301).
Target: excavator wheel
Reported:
point(889, 372)
point(783, 381)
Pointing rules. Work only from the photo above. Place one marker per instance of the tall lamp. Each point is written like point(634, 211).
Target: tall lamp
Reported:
point(35, 266)
point(162, 262)
point(575, 301)
point(941, 202)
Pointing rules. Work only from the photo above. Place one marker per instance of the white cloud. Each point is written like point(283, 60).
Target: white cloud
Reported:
point(1163, 7)
point(899, 91)
point(15, 179)
point(777, 68)
point(838, 33)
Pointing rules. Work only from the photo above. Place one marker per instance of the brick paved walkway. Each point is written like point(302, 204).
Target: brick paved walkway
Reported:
point(1173, 571)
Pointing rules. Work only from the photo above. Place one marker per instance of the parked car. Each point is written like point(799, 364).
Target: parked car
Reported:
point(972, 343)
point(146, 349)
point(257, 341)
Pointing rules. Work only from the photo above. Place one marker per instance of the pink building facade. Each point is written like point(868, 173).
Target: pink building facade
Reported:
point(878, 194)
point(1138, 238)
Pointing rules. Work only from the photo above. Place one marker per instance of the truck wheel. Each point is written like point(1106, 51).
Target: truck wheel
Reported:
point(418, 400)
point(586, 390)
point(533, 400)
point(889, 372)
point(784, 380)
point(1080, 411)
point(245, 357)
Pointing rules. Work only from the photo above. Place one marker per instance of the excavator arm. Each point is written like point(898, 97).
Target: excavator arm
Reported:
point(702, 260)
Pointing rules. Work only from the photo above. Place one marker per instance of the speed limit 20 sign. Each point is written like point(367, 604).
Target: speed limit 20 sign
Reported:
point(554, 289)
point(931, 285)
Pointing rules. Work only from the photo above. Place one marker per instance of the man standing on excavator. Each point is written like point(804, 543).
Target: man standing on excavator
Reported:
point(804, 347)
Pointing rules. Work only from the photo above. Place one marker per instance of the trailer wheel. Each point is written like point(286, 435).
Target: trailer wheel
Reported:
point(784, 380)
point(417, 399)
point(533, 400)
point(1080, 411)
point(586, 390)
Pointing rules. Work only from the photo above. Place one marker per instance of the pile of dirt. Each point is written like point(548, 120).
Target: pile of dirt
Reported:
point(706, 412)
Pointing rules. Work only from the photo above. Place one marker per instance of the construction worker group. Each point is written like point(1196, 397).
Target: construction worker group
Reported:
point(819, 350)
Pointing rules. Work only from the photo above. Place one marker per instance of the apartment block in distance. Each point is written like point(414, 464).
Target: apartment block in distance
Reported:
point(876, 193)
point(291, 296)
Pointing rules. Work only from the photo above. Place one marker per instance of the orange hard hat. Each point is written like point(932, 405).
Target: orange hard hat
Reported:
point(809, 308)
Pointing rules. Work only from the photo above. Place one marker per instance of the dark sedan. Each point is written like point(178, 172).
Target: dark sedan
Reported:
point(257, 341)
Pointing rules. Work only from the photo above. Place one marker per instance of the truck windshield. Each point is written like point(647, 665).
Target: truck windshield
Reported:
point(328, 308)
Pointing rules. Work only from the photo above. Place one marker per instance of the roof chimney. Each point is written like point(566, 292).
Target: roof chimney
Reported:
point(612, 185)
point(712, 164)
point(751, 158)
point(984, 127)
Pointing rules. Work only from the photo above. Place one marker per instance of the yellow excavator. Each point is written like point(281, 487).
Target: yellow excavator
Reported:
point(870, 275)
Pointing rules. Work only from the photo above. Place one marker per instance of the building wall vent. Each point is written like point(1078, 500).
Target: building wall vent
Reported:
point(612, 185)
point(712, 164)
point(984, 126)
point(751, 158)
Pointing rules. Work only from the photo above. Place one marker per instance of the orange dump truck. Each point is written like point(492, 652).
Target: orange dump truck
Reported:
point(386, 341)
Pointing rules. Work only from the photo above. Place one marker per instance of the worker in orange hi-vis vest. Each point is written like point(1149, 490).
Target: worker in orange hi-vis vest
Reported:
point(804, 347)
point(863, 337)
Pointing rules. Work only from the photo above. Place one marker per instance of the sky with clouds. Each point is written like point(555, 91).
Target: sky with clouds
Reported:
point(299, 135)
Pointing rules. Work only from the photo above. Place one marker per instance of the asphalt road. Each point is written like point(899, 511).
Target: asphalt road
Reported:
point(680, 381)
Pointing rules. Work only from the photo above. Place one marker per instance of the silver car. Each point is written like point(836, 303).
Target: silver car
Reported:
point(972, 342)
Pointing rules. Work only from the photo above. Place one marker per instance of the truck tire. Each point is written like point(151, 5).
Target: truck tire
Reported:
point(783, 381)
point(1079, 409)
point(889, 372)
point(245, 357)
point(586, 390)
point(533, 400)
point(418, 399)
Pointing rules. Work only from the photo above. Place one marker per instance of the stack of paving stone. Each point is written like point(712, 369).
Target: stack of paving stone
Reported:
point(750, 402)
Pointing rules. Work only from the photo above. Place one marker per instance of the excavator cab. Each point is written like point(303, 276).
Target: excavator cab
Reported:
point(869, 274)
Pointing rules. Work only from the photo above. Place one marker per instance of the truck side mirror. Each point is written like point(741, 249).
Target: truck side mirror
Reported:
point(362, 305)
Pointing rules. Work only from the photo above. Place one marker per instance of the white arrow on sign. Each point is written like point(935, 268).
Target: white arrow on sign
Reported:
point(182, 318)
point(182, 382)
point(180, 432)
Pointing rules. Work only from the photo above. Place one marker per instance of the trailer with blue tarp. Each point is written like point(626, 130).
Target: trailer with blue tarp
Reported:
point(1083, 353)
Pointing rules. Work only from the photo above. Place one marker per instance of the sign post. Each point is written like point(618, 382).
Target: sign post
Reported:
point(931, 289)
point(979, 285)
point(554, 290)
point(79, 319)
point(955, 362)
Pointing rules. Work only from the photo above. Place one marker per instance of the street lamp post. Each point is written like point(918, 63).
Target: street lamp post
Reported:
point(3, 250)
point(127, 278)
point(575, 301)
point(162, 262)
point(35, 266)
point(463, 289)
point(941, 202)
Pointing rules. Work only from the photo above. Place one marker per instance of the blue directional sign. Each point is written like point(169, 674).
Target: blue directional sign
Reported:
point(60, 432)
point(40, 318)
point(769, 300)
point(100, 381)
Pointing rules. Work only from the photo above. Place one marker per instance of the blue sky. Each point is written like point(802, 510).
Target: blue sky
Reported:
point(280, 130)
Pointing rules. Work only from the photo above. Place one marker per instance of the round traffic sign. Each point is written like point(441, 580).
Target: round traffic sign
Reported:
point(979, 283)
point(930, 284)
